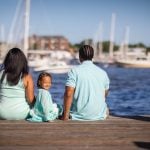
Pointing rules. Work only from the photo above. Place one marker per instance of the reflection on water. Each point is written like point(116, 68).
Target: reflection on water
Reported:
point(129, 90)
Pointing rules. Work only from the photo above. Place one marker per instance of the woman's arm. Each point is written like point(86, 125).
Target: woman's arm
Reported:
point(29, 88)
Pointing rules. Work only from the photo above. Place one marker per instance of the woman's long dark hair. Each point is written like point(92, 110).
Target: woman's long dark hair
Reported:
point(15, 66)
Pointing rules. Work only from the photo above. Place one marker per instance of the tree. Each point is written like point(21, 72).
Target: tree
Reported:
point(106, 46)
point(147, 50)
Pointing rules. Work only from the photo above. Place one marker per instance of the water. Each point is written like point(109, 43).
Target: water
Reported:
point(129, 90)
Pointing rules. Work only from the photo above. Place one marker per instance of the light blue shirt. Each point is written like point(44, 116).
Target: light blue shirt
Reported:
point(44, 108)
point(13, 103)
point(90, 83)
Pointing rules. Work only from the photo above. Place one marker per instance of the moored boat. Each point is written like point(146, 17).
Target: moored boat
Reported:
point(54, 67)
point(137, 63)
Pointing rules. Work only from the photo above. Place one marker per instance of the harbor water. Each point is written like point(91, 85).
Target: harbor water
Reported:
point(129, 90)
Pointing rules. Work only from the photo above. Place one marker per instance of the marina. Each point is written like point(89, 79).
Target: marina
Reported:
point(52, 53)
point(128, 86)
point(48, 48)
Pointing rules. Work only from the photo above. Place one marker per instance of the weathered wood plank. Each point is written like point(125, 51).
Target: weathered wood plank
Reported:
point(113, 133)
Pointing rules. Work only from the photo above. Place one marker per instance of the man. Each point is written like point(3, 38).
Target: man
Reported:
point(86, 89)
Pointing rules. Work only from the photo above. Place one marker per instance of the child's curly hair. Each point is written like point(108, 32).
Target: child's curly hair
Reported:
point(41, 75)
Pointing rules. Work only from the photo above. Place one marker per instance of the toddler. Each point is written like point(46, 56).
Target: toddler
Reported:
point(44, 108)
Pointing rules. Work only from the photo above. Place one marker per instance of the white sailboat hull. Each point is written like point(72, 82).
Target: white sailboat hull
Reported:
point(133, 63)
point(54, 69)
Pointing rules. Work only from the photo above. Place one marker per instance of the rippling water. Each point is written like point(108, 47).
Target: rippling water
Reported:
point(129, 90)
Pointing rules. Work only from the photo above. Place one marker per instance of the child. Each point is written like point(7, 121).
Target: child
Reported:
point(44, 108)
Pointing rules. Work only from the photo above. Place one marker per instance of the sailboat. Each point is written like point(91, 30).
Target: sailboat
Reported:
point(52, 62)
point(132, 58)
point(54, 67)
point(137, 63)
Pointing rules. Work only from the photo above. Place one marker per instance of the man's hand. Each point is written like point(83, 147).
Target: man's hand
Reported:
point(64, 118)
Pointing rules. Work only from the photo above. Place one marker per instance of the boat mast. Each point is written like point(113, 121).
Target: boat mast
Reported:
point(26, 26)
point(11, 40)
point(111, 46)
point(126, 41)
point(97, 42)
point(100, 43)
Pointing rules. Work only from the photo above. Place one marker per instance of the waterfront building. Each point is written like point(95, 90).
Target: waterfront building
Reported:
point(49, 43)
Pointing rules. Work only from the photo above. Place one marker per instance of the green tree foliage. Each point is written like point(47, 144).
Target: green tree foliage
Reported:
point(137, 45)
point(106, 45)
point(147, 50)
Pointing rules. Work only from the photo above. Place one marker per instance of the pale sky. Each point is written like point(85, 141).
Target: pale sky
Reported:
point(79, 19)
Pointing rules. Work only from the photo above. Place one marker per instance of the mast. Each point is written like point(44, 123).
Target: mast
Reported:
point(100, 45)
point(97, 42)
point(26, 26)
point(11, 40)
point(126, 40)
point(111, 46)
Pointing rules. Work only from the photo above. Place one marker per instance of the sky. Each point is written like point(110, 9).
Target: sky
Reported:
point(78, 20)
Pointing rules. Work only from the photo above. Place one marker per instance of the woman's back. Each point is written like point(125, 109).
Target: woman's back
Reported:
point(16, 86)
point(13, 105)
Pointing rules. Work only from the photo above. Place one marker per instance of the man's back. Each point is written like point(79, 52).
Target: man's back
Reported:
point(86, 89)
point(90, 83)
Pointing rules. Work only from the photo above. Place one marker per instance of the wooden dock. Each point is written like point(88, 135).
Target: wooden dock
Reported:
point(115, 133)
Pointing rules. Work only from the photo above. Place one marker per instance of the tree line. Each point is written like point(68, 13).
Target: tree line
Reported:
point(105, 46)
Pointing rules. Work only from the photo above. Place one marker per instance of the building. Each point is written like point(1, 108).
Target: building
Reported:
point(49, 43)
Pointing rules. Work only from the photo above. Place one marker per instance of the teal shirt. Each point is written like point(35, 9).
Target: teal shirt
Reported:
point(90, 83)
point(13, 104)
point(44, 108)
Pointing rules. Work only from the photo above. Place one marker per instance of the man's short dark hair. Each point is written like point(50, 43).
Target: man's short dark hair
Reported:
point(86, 52)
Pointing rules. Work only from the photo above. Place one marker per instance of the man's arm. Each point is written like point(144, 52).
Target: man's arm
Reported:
point(68, 97)
point(106, 93)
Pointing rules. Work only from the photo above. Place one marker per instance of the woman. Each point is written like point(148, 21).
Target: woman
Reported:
point(16, 86)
